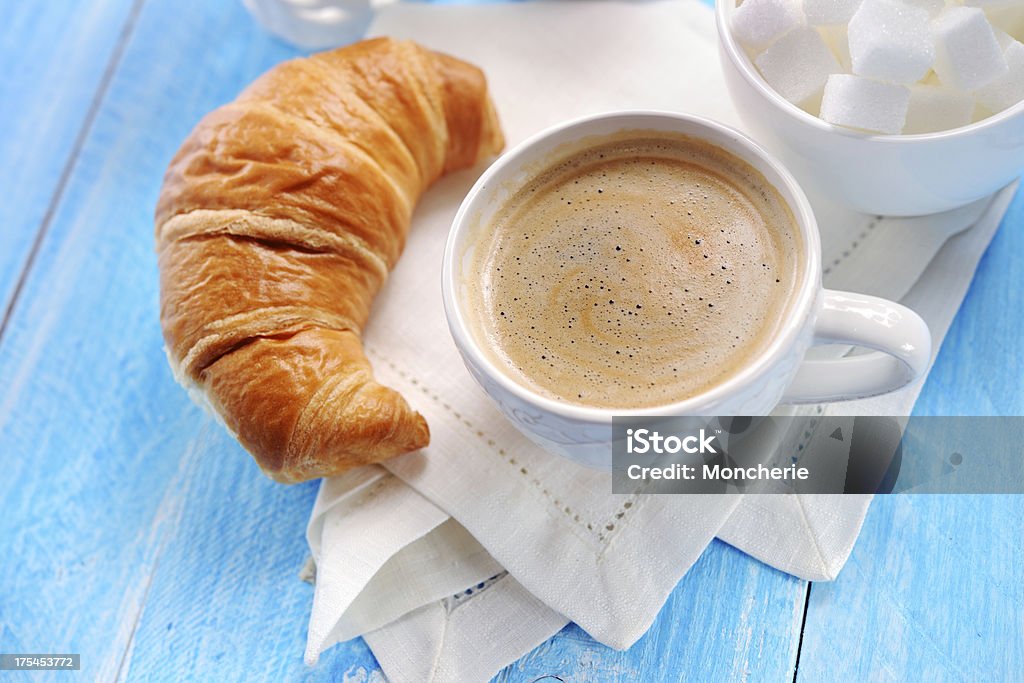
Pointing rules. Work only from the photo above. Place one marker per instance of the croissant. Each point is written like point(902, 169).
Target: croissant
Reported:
point(280, 218)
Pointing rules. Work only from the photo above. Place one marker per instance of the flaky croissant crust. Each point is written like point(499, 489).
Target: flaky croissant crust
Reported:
point(279, 220)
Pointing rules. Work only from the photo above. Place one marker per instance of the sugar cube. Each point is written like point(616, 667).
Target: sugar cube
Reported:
point(797, 65)
point(967, 54)
point(858, 102)
point(933, 7)
point(1008, 89)
point(827, 12)
point(934, 108)
point(757, 23)
point(837, 40)
point(890, 41)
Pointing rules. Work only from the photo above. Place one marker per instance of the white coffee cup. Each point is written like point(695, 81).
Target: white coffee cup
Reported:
point(900, 339)
point(890, 175)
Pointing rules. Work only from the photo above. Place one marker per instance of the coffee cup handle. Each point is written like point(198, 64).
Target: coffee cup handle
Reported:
point(900, 338)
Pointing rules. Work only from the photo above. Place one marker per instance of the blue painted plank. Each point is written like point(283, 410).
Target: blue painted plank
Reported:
point(730, 618)
point(54, 57)
point(932, 592)
point(979, 370)
point(225, 600)
point(99, 442)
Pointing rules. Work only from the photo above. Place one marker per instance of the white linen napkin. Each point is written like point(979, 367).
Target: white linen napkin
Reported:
point(456, 560)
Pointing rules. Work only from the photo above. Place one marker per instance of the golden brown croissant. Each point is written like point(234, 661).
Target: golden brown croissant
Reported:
point(279, 219)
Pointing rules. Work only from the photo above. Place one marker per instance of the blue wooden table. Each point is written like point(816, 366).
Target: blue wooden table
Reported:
point(134, 531)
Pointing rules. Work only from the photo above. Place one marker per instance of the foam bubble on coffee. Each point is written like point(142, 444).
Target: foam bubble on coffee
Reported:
point(636, 273)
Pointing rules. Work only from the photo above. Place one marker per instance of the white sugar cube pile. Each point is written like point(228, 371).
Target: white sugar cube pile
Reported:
point(889, 66)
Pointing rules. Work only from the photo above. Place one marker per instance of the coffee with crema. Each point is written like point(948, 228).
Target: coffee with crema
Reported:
point(637, 271)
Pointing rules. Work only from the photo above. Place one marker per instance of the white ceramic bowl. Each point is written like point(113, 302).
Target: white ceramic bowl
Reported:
point(894, 175)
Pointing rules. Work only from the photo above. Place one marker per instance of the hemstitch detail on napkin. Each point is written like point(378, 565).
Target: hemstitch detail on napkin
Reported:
point(854, 244)
point(601, 531)
point(455, 601)
point(811, 428)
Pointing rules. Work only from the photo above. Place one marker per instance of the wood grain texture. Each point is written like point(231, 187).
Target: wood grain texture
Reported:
point(932, 592)
point(225, 600)
point(101, 437)
point(54, 72)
